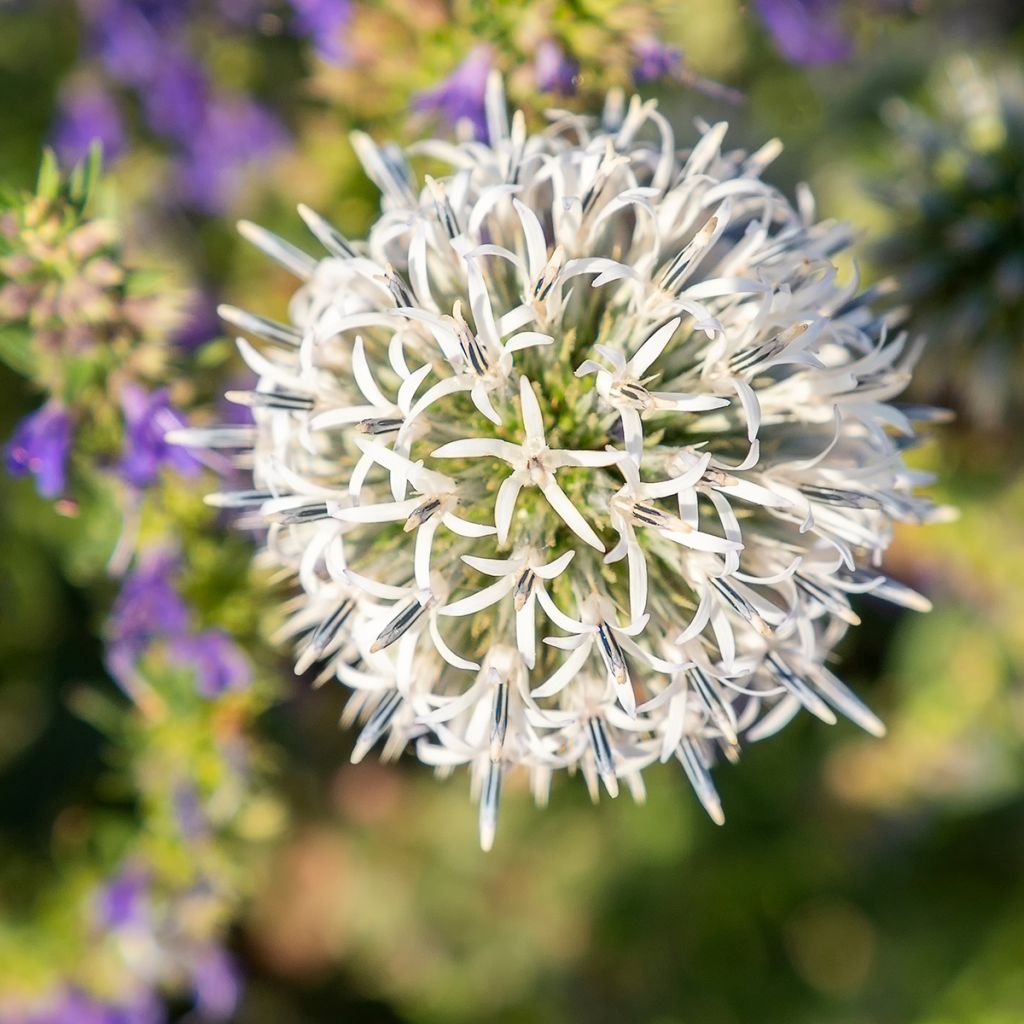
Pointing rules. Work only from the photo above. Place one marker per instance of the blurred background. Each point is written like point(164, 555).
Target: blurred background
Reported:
point(181, 834)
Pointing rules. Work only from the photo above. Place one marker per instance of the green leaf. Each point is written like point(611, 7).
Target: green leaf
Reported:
point(48, 184)
point(16, 350)
point(85, 176)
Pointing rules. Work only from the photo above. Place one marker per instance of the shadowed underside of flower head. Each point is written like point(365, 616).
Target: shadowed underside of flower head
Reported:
point(578, 459)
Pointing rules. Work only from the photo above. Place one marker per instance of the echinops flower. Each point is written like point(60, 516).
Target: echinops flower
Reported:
point(579, 458)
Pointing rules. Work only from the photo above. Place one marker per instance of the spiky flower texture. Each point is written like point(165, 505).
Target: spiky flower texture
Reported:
point(579, 457)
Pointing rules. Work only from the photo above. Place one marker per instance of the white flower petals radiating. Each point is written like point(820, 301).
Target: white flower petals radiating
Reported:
point(579, 458)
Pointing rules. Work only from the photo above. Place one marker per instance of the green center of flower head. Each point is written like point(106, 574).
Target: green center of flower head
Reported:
point(579, 457)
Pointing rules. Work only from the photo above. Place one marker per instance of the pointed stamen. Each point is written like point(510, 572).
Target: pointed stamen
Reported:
point(603, 758)
point(549, 275)
point(311, 513)
point(443, 207)
point(384, 425)
point(489, 799)
point(376, 725)
point(270, 330)
point(399, 625)
point(421, 514)
point(329, 628)
point(523, 589)
point(499, 719)
point(741, 605)
point(611, 654)
point(280, 400)
point(714, 703)
point(328, 236)
point(399, 289)
point(838, 496)
point(238, 499)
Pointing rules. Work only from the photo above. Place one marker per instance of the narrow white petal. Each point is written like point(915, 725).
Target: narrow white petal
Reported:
point(564, 675)
point(505, 505)
point(751, 406)
point(482, 400)
point(478, 447)
point(376, 589)
point(565, 457)
point(570, 515)
point(481, 599)
point(492, 566)
point(527, 339)
point(558, 617)
point(386, 512)
point(464, 528)
point(421, 557)
point(649, 351)
point(554, 569)
point(533, 233)
point(407, 392)
point(533, 421)
point(446, 652)
point(526, 632)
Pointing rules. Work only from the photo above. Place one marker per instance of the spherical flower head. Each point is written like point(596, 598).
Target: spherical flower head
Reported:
point(578, 459)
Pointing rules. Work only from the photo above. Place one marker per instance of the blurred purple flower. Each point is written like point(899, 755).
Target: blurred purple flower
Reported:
point(242, 13)
point(124, 38)
point(176, 98)
point(148, 417)
point(217, 984)
point(806, 31)
point(236, 133)
point(40, 446)
point(654, 60)
point(122, 900)
point(553, 70)
point(323, 22)
point(72, 1006)
point(148, 606)
point(189, 813)
point(219, 664)
point(461, 95)
point(201, 323)
point(88, 114)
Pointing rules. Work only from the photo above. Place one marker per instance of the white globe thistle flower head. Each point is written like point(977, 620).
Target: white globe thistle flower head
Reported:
point(579, 458)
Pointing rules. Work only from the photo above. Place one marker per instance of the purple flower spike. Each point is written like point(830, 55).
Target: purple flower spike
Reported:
point(461, 95)
point(175, 100)
point(806, 31)
point(88, 114)
point(148, 606)
point(553, 70)
point(122, 899)
point(235, 134)
point(73, 1007)
point(200, 322)
point(125, 41)
point(218, 985)
point(655, 60)
point(148, 417)
point(323, 22)
point(219, 664)
point(40, 446)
